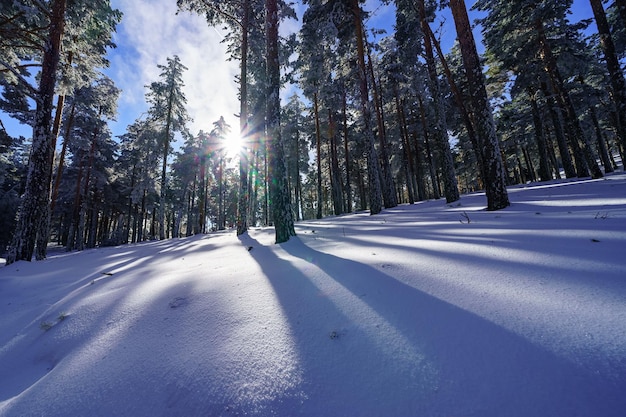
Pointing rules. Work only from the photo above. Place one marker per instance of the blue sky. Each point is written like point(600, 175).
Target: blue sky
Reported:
point(151, 32)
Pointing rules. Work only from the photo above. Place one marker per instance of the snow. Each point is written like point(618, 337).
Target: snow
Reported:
point(422, 310)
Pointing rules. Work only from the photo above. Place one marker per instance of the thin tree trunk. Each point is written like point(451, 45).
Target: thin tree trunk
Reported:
point(66, 139)
point(604, 154)
point(408, 154)
point(375, 192)
point(451, 189)
point(166, 150)
point(244, 196)
point(544, 167)
point(346, 152)
point(431, 163)
point(561, 141)
point(318, 147)
point(335, 178)
point(388, 186)
point(565, 101)
point(460, 102)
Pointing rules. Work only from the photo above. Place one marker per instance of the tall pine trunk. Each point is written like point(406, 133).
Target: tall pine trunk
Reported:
point(166, 150)
point(615, 71)
point(318, 147)
point(244, 196)
point(346, 149)
point(388, 183)
point(279, 194)
point(335, 178)
point(495, 184)
point(34, 210)
point(373, 171)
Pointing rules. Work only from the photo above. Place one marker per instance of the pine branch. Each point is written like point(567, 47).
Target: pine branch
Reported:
point(32, 92)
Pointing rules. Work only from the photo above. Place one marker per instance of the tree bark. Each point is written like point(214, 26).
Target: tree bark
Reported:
point(495, 184)
point(565, 102)
point(318, 147)
point(346, 149)
point(544, 166)
point(373, 172)
point(244, 196)
point(388, 185)
point(279, 194)
point(335, 178)
point(561, 141)
point(604, 154)
point(612, 63)
point(450, 186)
point(460, 102)
point(34, 215)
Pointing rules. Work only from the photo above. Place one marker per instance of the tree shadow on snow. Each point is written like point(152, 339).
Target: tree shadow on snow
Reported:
point(369, 342)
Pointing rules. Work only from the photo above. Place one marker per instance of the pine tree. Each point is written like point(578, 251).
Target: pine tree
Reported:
point(616, 75)
point(279, 194)
point(373, 168)
point(33, 210)
point(167, 101)
point(238, 16)
point(441, 129)
point(497, 196)
point(38, 38)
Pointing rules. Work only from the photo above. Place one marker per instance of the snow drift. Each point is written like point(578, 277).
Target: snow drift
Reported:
point(423, 310)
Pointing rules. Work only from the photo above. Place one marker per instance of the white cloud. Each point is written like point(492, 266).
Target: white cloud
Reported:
point(151, 32)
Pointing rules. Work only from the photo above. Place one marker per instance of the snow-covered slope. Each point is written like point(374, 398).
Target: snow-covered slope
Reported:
point(422, 310)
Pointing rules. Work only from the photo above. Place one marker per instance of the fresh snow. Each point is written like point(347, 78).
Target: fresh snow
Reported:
point(422, 310)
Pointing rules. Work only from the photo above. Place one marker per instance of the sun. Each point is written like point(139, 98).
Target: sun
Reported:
point(233, 144)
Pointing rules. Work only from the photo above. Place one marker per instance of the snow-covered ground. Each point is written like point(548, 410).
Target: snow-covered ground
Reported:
point(422, 310)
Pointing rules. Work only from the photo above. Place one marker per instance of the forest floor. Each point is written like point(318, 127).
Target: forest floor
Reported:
point(422, 310)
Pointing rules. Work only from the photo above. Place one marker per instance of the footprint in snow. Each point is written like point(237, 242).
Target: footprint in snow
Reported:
point(178, 302)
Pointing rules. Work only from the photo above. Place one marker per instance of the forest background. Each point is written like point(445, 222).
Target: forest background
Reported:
point(116, 188)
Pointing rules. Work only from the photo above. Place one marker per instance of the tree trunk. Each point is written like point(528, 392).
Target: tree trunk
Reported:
point(544, 166)
point(561, 141)
point(244, 196)
point(406, 145)
point(495, 184)
point(612, 63)
point(565, 101)
point(279, 194)
point(346, 152)
point(431, 163)
point(460, 102)
point(375, 191)
point(66, 139)
point(166, 150)
point(604, 154)
point(450, 186)
point(335, 178)
point(388, 186)
point(34, 212)
point(318, 147)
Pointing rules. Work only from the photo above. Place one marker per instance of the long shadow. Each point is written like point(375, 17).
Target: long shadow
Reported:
point(110, 318)
point(369, 342)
